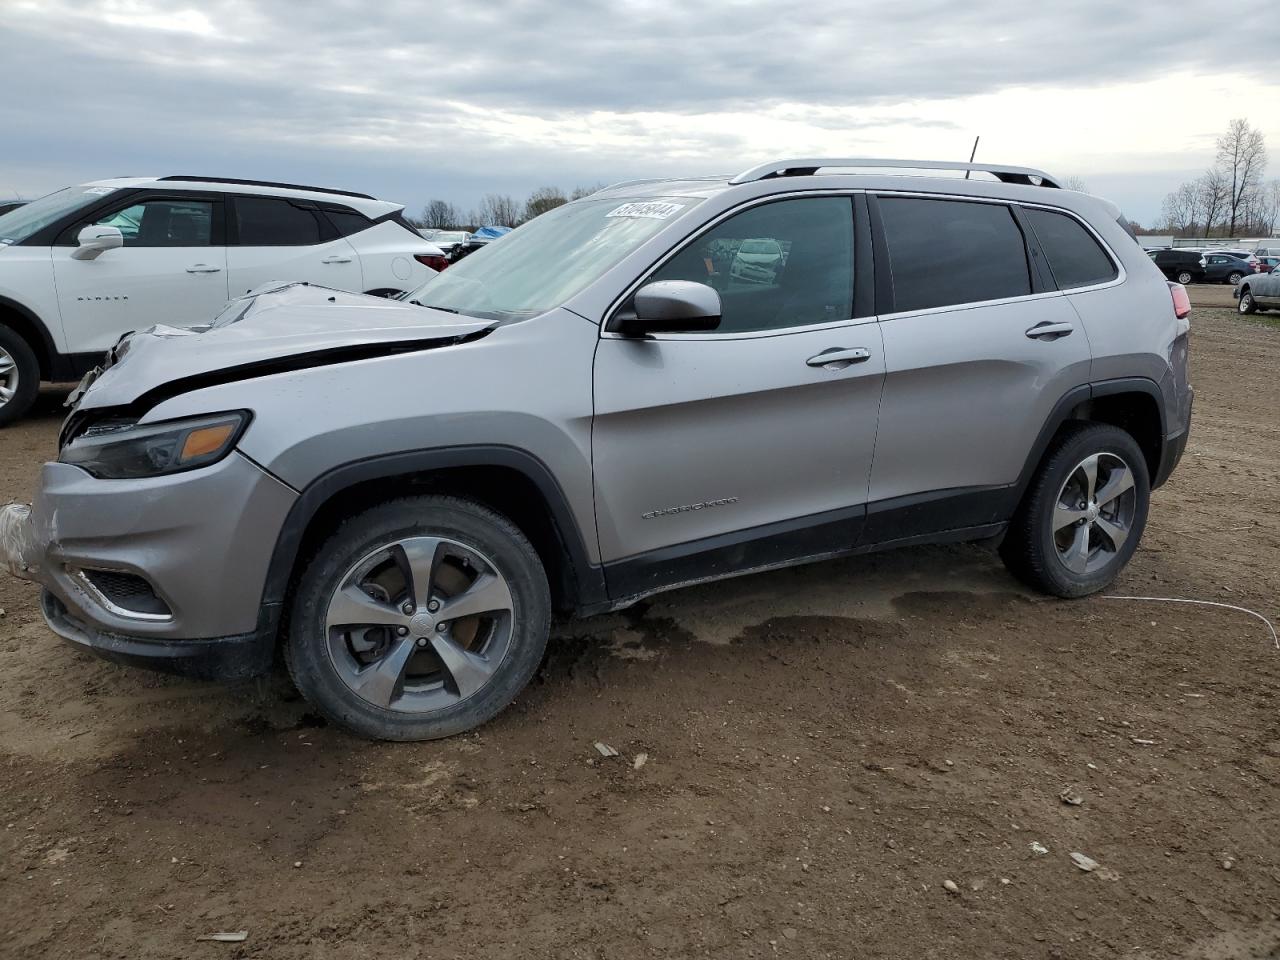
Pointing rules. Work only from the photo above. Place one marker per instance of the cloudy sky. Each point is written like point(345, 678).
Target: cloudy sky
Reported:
point(413, 100)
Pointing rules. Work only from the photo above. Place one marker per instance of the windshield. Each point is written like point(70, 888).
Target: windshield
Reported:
point(540, 265)
point(17, 225)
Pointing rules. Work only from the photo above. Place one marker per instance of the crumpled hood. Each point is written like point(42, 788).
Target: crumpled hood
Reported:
point(275, 328)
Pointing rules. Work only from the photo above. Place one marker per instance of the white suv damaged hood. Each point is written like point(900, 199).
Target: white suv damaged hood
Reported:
point(277, 327)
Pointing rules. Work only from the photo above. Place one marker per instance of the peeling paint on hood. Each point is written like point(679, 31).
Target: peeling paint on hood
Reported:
point(279, 326)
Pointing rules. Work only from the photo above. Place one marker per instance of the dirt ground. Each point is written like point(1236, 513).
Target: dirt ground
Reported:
point(828, 749)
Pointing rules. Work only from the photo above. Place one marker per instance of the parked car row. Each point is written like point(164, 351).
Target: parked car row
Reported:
point(1195, 266)
point(82, 266)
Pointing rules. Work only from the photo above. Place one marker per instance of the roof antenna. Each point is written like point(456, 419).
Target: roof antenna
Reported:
point(972, 153)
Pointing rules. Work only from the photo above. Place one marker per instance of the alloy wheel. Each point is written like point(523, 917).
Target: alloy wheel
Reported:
point(420, 624)
point(8, 376)
point(1094, 512)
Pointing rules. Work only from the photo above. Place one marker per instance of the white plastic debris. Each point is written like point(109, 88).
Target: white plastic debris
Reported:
point(640, 760)
point(234, 936)
point(605, 750)
point(950, 887)
point(1038, 848)
point(1087, 864)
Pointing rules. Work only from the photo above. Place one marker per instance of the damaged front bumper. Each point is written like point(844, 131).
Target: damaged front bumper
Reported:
point(165, 572)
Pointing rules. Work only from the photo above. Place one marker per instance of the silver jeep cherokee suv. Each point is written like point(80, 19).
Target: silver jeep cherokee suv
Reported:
point(664, 383)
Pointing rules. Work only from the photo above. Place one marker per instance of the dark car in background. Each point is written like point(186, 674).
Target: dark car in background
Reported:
point(1181, 266)
point(1222, 268)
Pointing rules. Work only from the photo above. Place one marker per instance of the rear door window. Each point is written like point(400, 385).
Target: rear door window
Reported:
point(274, 222)
point(1075, 257)
point(947, 252)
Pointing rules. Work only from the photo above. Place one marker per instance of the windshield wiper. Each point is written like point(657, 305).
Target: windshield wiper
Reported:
point(419, 303)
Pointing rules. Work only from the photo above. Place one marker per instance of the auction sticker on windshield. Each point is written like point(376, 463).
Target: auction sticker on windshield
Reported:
point(647, 209)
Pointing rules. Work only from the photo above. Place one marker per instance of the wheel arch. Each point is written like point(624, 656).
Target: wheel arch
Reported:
point(1134, 404)
point(23, 321)
point(508, 480)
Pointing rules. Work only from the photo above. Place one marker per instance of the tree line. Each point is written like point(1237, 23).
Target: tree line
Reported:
point(1232, 198)
point(497, 209)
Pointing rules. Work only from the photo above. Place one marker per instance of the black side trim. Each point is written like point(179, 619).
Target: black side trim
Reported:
point(864, 262)
point(588, 586)
point(820, 535)
point(937, 511)
point(73, 366)
point(32, 327)
point(883, 270)
point(1042, 279)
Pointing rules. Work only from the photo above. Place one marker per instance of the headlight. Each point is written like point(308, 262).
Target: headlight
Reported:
point(122, 451)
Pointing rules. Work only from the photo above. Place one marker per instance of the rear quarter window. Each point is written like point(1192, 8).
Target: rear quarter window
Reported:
point(1075, 257)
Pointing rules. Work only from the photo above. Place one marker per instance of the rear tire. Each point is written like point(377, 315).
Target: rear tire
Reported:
point(1185, 277)
point(1072, 533)
point(1234, 278)
point(372, 643)
point(19, 376)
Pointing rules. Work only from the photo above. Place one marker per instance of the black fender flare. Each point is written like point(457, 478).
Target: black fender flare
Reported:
point(1072, 399)
point(589, 585)
point(45, 349)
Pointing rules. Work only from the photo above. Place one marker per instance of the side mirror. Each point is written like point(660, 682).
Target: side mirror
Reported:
point(96, 240)
point(670, 306)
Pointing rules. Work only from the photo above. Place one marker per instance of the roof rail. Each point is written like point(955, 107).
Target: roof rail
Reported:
point(271, 183)
point(809, 166)
point(626, 183)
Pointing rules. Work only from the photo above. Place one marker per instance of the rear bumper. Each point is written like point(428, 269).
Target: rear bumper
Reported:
point(219, 658)
point(1175, 445)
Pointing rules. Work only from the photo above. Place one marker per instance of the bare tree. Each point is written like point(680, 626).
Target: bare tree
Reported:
point(1242, 155)
point(498, 209)
point(440, 215)
point(1180, 209)
point(1074, 183)
point(542, 200)
point(1212, 191)
point(1270, 208)
point(580, 192)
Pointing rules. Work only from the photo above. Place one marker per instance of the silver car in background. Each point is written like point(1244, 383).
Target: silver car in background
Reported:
point(599, 408)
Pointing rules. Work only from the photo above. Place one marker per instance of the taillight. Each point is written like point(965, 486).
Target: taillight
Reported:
point(1181, 301)
point(433, 260)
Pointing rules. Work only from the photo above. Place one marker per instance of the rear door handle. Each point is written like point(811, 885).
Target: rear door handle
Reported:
point(336, 260)
point(1050, 331)
point(203, 268)
point(840, 357)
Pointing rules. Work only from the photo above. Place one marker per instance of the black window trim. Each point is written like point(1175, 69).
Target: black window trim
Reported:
point(64, 232)
point(884, 279)
point(860, 270)
point(328, 231)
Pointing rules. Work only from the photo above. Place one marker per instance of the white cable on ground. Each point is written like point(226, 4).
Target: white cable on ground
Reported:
point(1208, 603)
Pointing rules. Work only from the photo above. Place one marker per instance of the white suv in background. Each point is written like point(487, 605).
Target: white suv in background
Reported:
point(82, 266)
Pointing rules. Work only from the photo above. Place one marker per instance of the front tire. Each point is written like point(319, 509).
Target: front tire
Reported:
point(1083, 515)
point(1247, 304)
point(19, 376)
point(418, 619)
point(1185, 277)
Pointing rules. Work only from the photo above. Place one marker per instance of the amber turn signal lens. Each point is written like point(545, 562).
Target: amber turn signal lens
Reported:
point(205, 440)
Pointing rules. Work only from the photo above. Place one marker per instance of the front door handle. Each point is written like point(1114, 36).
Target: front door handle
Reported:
point(1050, 331)
point(336, 260)
point(837, 358)
point(203, 268)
